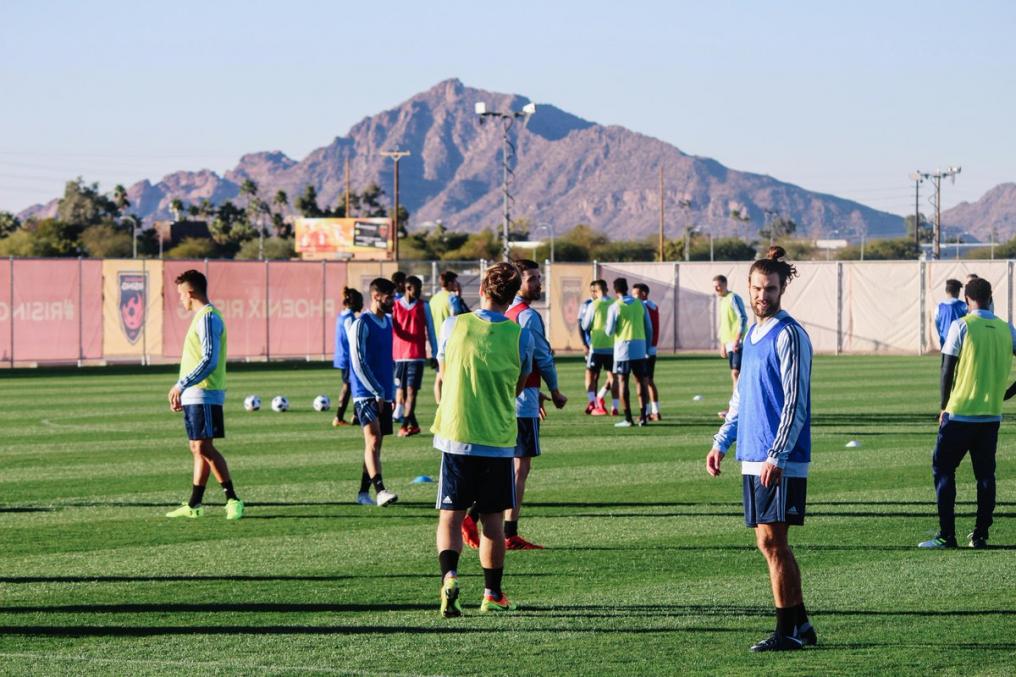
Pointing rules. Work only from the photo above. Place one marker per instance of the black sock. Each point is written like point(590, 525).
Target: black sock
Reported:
point(474, 512)
point(449, 561)
point(197, 492)
point(785, 620)
point(627, 415)
point(492, 581)
point(511, 528)
point(228, 488)
point(800, 616)
point(378, 483)
point(364, 482)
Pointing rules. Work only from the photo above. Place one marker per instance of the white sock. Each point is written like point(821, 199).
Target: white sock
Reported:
point(398, 411)
point(617, 404)
point(654, 407)
point(603, 392)
point(591, 395)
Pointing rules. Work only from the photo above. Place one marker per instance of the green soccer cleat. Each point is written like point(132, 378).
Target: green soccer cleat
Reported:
point(450, 606)
point(234, 509)
point(498, 606)
point(938, 543)
point(187, 511)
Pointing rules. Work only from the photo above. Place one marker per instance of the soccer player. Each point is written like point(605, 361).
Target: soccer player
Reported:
point(654, 317)
point(584, 335)
point(352, 303)
point(629, 324)
point(952, 308)
point(446, 303)
point(977, 357)
point(200, 394)
point(399, 280)
point(733, 325)
point(413, 327)
point(483, 362)
point(601, 352)
point(770, 419)
point(372, 377)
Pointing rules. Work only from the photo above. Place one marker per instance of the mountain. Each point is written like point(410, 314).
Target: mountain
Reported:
point(995, 208)
point(568, 171)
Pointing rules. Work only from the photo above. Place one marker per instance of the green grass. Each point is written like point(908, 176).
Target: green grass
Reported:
point(649, 569)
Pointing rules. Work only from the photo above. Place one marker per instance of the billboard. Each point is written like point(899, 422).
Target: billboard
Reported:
point(366, 239)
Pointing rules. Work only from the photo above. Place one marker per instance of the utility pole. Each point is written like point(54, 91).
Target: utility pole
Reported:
point(917, 178)
point(661, 214)
point(936, 181)
point(346, 166)
point(396, 155)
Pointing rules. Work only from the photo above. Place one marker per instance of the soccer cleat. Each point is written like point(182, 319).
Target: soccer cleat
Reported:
point(778, 642)
point(601, 404)
point(598, 412)
point(491, 605)
point(450, 606)
point(412, 430)
point(654, 417)
point(624, 424)
point(977, 542)
point(614, 411)
point(234, 509)
point(339, 423)
point(470, 534)
point(363, 498)
point(938, 542)
point(590, 407)
point(518, 543)
point(385, 497)
point(186, 511)
point(643, 421)
point(807, 635)
point(403, 432)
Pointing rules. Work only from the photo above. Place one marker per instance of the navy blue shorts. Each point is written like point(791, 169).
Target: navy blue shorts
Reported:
point(409, 374)
point(599, 361)
point(637, 368)
point(203, 421)
point(782, 503)
point(527, 444)
point(734, 359)
point(366, 412)
point(488, 482)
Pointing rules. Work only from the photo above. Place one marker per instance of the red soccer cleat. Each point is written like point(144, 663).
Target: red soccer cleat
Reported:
point(412, 430)
point(403, 432)
point(614, 412)
point(590, 407)
point(598, 412)
point(470, 534)
point(519, 543)
point(600, 404)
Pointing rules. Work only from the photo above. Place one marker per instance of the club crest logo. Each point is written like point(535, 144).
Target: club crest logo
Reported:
point(571, 297)
point(133, 289)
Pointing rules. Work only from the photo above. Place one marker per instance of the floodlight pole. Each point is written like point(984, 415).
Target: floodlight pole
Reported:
point(396, 155)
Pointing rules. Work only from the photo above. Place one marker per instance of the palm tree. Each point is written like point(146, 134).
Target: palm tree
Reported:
point(281, 201)
point(176, 207)
point(120, 198)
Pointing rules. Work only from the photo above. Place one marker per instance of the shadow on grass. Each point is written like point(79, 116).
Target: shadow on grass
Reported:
point(698, 610)
point(869, 420)
point(746, 548)
point(26, 509)
point(230, 579)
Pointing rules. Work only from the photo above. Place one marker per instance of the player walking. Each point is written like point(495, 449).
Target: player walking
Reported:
point(413, 327)
point(733, 319)
point(629, 324)
point(372, 378)
point(949, 310)
point(352, 303)
point(200, 394)
point(484, 360)
point(654, 318)
point(601, 349)
point(770, 419)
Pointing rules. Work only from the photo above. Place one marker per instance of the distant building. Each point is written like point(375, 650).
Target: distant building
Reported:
point(172, 233)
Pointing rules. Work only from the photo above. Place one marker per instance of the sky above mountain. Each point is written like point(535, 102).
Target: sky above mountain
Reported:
point(846, 99)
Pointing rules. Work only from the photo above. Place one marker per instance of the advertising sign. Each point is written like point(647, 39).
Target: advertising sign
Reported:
point(357, 238)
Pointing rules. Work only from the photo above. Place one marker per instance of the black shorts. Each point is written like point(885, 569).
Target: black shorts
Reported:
point(409, 374)
point(651, 367)
point(203, 421)
point(597, 361)
point(527, 444)
point(782, 503)
point(734, 359)
point(637, 368)
point(488, 482)
point(366, 412)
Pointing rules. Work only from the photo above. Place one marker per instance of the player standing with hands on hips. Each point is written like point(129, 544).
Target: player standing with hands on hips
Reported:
point(770, 419)
point(200, 394)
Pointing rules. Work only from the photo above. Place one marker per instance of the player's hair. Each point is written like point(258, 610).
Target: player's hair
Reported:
point(501, 282)
point(773, 263)
point(195, 279)
point(414, 282)
point(525, 264)
point(602, 284)
point(722, 279)
point(953, 287)
point(352, 299)
point(621, 285)
point(971, 276)
point(382, 286)
point(979, 290)
point(398, 278)
point(641, 287)
point(447, 278)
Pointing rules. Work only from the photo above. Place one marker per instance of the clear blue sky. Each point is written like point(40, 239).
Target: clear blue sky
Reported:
point(846, 98)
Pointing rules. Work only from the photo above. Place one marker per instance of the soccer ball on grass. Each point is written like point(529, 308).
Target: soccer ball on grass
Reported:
point(322, 403)
point(252, 403)
point(280, 403)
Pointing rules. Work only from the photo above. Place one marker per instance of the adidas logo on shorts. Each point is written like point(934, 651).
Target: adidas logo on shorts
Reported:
point(447, 499)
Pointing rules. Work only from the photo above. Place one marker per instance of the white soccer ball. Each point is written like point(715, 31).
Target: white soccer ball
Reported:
point(322, 403)
point(252, 403)
point(280, 403)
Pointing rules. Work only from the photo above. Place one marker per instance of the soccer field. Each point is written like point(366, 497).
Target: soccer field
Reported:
point(648, 568)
